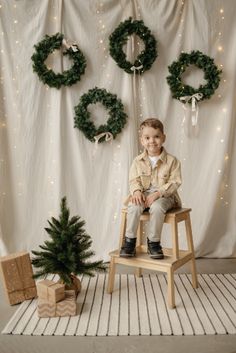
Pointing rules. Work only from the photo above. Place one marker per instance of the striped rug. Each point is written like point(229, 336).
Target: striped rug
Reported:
point(138, 307)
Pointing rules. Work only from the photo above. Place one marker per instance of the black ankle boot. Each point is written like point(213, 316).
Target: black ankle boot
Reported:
point(155, 249)
point(128, 249)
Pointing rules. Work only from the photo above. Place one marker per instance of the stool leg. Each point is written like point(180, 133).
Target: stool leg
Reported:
point(111, 275)
point(175, 238)
point(138, 271)
point(122, 229)
point(191, 249)
point(139, 234)
point(170, 288)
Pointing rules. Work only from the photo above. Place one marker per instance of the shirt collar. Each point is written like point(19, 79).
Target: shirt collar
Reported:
point(162, 156)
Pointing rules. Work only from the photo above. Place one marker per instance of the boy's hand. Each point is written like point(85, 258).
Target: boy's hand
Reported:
point(151, 198)
point(138, 198)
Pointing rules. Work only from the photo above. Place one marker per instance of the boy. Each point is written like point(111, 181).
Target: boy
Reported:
point(154, 178)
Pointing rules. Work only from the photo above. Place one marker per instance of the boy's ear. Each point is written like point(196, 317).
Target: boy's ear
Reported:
point(164, 138)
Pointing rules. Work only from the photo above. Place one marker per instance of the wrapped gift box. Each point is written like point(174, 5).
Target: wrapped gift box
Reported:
point(17, 272)
point(66, 307)
point(50, 291)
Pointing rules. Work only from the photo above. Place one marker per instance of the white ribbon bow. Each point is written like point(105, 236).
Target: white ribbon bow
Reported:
point(69, 44)
point(108, 137)
point(134, 68)
point(194, 106)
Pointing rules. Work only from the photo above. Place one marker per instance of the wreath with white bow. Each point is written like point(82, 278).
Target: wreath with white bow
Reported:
point(186, 93)
point(47, 75)
point(115, 123)
point(119, 38)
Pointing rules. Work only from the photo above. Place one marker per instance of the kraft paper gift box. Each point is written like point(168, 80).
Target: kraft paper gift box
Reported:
point(50, 291)
point(66, 307)
point(17, 275)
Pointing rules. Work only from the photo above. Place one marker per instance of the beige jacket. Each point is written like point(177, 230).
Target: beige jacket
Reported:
point(166, 176)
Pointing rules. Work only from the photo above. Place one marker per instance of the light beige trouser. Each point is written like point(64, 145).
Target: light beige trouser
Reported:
point(157, 215)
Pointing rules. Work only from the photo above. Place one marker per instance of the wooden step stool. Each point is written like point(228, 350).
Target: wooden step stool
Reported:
point(173, 258)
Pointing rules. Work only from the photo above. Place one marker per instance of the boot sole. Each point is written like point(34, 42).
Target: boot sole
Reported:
point(157, 257)
point(127, 255)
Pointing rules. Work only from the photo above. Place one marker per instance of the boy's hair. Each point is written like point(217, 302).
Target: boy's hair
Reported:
point(152, 122)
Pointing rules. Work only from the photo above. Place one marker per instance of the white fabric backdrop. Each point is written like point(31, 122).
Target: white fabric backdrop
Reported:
point(43, 157)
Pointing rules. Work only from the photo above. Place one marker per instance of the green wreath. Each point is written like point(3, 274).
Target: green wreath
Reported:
point(204, 62)
point(46, 47)
point(115, 123)
point(120, 36)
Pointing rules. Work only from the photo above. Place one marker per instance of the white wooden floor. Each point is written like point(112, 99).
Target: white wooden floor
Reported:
point(132, 344)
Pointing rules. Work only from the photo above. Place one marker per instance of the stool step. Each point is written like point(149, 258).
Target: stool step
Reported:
point(167, 251)
point(143, 260)
point(173, 258)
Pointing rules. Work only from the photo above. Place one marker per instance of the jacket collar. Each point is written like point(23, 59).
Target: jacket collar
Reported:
point(162, 156)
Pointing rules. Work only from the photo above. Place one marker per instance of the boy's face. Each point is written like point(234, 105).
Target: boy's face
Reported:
point(152, 140)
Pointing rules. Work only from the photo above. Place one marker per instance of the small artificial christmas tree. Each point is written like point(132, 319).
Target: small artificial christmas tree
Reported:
point(67, 252)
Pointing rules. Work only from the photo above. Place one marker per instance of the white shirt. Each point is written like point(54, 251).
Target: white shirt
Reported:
point(153, 160)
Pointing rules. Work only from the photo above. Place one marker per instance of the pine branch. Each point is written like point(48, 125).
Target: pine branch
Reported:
point(73, 220)
point(68, 250)
point(53, 227)
point(56, 223)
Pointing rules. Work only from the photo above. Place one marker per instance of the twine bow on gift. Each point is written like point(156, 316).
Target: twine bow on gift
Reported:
point(194, 105)
point(20, 284)
point(20, 274)
point(69, 44)
point(47, 289)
